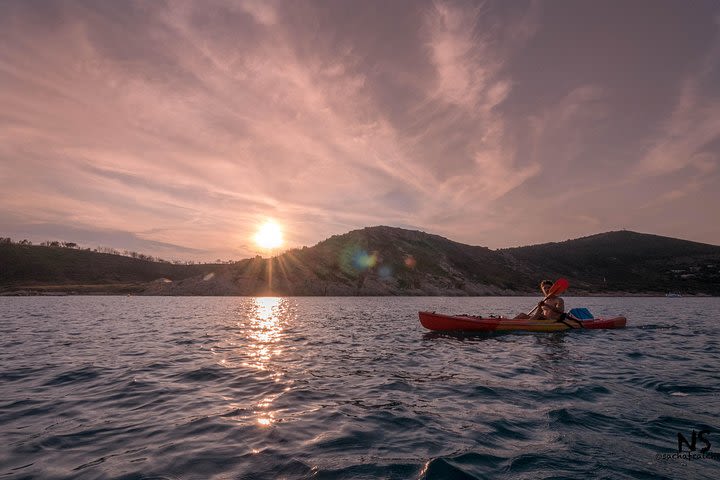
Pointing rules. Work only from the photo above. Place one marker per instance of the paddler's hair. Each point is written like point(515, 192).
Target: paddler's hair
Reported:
point(546, 282)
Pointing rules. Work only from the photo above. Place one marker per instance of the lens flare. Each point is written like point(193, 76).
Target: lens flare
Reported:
point(410, 261)
point(362, 260)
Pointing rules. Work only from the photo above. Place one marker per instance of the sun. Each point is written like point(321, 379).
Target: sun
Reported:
point(269, 236)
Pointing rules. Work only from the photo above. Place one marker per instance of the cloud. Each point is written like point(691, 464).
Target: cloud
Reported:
point(465, 142)
point(693, 125)
point(459, 54)
point(212, 120)
point(15, 227)
point(263, 11)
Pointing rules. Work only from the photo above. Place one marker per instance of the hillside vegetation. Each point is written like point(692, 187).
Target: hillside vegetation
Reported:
point(383, 261)
point(628, 262)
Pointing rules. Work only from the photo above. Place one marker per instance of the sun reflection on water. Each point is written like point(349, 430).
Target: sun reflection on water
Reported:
point(264, 334)
point(255, 348)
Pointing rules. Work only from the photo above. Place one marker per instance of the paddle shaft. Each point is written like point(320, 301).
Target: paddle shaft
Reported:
point(568, 317)
point(558, 287)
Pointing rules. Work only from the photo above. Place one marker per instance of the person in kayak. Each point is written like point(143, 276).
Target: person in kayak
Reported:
point(551, 308)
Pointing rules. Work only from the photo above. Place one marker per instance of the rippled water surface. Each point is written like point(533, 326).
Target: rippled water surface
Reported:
point(139, 387)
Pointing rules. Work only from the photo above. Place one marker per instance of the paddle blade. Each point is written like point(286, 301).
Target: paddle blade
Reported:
point(558, 287)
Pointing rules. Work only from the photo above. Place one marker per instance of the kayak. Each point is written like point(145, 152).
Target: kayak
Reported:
point(467, 323)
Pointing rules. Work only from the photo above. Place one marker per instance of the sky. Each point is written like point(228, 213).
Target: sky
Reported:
point(177, 128)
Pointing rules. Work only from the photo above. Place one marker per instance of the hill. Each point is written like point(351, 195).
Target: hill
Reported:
point(626, 261)
point(39, 268)
point(384, 261)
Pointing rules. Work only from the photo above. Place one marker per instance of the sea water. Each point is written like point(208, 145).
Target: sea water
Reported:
point(241, 387)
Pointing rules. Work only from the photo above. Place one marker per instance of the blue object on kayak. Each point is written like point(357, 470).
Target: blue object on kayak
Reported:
point(581, 313)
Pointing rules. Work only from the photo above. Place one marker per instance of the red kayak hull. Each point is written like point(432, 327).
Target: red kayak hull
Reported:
point(466, 323)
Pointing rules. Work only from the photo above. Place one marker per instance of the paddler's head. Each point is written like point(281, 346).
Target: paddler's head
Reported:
point(545, 286)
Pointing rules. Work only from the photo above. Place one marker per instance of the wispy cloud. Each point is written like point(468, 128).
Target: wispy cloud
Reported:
point(463, 121)
point(693, 125)
point(461, 55)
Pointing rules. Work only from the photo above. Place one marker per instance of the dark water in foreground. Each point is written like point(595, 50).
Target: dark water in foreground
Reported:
point(137, 387)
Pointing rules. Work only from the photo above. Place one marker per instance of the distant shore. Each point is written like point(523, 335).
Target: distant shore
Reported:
point(380, 261)
point(134, 289)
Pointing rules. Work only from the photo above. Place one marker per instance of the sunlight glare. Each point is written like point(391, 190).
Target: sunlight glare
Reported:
point(269, 236)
